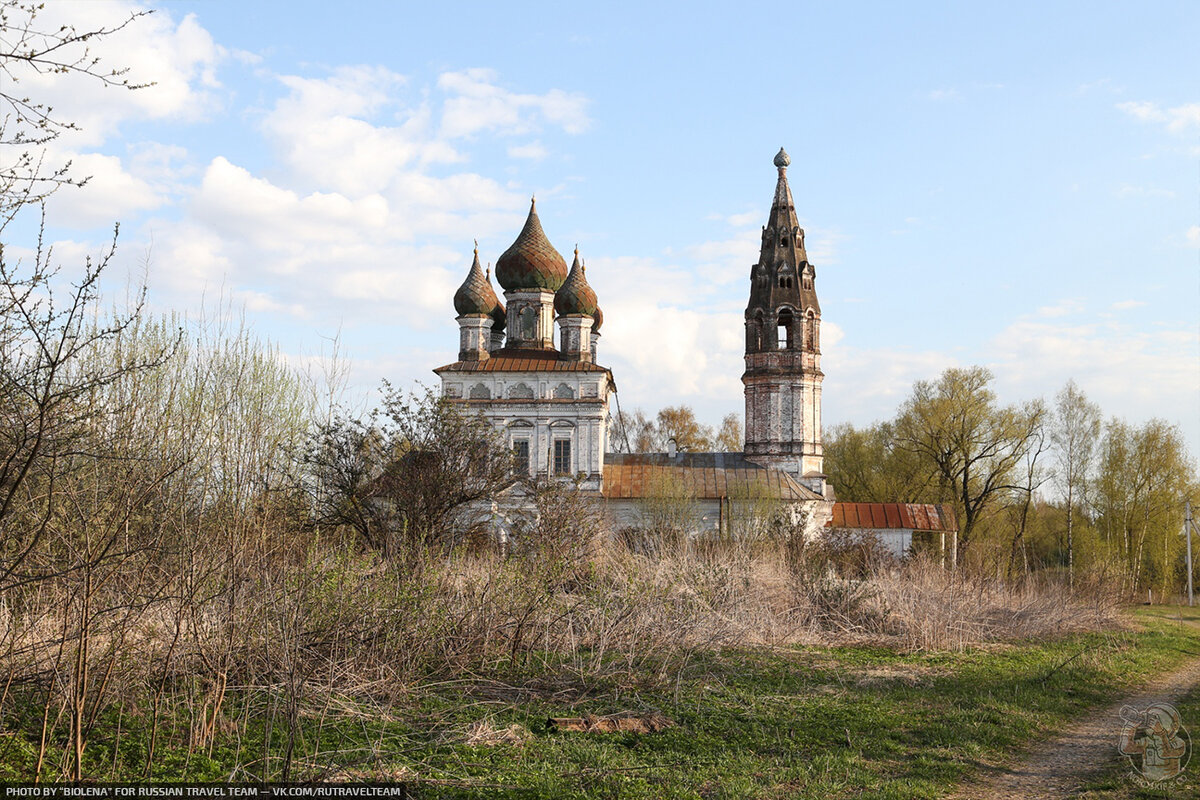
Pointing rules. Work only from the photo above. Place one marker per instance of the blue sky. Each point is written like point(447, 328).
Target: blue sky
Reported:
point(1014, 185)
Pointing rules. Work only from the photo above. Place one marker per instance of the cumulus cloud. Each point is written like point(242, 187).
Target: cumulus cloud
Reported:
point(1101, 354)
point(323, 129)
point(111, 193)
point(179, 58)
point(478, 103)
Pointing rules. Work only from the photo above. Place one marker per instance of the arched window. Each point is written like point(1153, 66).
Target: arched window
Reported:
point(528, 322)
point(786, 327)
point(810, 331)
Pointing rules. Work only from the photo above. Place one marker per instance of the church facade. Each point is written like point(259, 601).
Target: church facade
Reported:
point(552, 402)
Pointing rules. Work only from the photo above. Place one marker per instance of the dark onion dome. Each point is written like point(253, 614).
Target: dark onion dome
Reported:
point(531, 262)
point(575, 296)
point(499, 315)
point(476, 297)
point(781, 158)
point(597, 320)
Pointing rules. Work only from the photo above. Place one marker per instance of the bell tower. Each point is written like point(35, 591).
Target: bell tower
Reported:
point(783, 348)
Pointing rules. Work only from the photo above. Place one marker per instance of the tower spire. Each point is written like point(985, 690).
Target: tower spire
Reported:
point(783, 355)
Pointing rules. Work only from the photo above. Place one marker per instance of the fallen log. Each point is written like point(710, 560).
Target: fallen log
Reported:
point(613, 723)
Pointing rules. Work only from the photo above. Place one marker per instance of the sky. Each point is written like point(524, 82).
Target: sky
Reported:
point(1015, 185)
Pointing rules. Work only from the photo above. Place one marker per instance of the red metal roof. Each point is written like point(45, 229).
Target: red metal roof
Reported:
point(911, 516)
point(517, 360)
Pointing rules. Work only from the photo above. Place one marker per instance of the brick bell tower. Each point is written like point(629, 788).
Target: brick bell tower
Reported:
point(783, 348)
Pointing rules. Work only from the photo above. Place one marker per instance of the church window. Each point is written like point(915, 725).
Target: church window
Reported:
point(520, 457)
point(528, 319)
point(562, 456)
point(785, 330)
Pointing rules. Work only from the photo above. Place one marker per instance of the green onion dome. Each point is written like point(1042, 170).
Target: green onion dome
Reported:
point(531, 262)
point(575, 296)
point(476, 297)
point(499, 316)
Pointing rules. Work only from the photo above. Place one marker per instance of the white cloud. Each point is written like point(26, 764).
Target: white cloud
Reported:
point(477, 103)
point(940, 95)
point(1130, 370)
point(323, 132)
point(1178, 119)
point(1125, 305)
point(180, 59)
point(744, 219)
point(1143, 191)
point(1193, 235)
point(1061, 309)
point(534, 151)
point(110, 194)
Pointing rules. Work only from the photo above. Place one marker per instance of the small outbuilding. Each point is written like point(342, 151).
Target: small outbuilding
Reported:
point(899, 526)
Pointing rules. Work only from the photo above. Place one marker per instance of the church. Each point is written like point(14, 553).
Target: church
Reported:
point(552, 402)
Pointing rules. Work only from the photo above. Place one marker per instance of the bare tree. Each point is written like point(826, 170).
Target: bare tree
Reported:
point(30, 47)
point(400, 476)
point(1074, 433)
point(48, 371)
point(730, 438)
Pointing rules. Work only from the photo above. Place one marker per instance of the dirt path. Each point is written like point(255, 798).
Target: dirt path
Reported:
point(1060, 766)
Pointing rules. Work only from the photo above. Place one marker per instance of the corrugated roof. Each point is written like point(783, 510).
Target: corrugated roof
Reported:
point(704, 476)
point(517, 360)
point(913, 516)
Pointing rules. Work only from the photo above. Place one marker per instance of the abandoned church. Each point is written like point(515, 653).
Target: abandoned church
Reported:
point(553, 403)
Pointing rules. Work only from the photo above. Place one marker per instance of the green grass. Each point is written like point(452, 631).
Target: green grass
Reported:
point(804, 722)
point(1117, 783)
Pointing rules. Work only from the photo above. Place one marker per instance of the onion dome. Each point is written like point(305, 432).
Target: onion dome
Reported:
point(476, 297)
point(531, 262)
point(781, 158)
point(597, 320)
point(575, 296)
point(499, 315)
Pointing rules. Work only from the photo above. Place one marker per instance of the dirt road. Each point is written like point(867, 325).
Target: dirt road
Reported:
point(1057, 768)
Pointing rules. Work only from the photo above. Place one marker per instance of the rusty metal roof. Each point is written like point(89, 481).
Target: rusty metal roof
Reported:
point(517, 360)
point(913, 516)
point(703, 476)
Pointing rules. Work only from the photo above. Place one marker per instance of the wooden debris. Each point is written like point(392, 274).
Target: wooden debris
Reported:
point(613, 723)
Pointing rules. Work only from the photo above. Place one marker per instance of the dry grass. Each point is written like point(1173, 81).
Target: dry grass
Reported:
point(305, 637)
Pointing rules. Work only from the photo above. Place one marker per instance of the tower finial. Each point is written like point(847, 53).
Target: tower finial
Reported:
point(781, 159)
point(476, 247)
